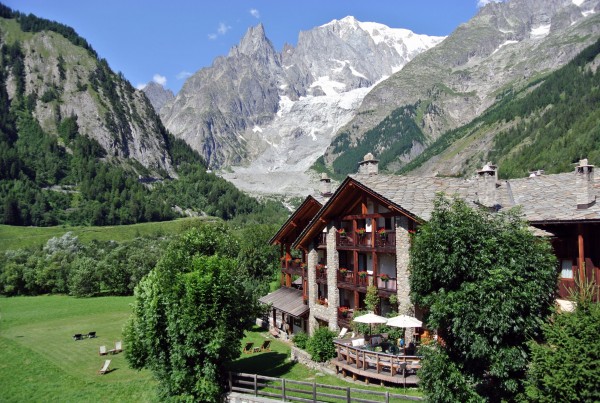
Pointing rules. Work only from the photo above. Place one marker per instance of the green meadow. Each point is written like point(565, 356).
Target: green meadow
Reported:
point(16, 237)
point(41, 362)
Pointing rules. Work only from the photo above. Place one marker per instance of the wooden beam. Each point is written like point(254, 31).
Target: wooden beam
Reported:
point(581, 257)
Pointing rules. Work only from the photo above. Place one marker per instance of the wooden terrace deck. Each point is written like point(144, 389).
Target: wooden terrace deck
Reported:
point(371, 365)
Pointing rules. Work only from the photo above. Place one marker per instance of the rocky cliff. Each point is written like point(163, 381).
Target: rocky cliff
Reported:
point(63, 79)
point(157, 95)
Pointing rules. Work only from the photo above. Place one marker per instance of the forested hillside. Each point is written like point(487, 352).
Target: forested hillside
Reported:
point(548, 125)
point(52, 168)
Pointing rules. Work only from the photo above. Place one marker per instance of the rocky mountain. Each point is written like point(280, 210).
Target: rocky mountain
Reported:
point(61, 76)
point(501, 50)
point(280, 109)
point(157, 95)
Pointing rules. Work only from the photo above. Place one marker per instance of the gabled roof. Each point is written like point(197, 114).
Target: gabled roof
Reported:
point(344, 199)
point(297, 221)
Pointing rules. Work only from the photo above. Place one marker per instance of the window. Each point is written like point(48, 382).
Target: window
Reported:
point(566, 268)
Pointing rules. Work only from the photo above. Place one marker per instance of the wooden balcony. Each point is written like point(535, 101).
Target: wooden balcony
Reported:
point(363, 361)
point(293, 267)
point(350, 281)
point(366, 241)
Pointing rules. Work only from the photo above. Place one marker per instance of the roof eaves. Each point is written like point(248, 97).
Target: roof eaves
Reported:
point(292, 217)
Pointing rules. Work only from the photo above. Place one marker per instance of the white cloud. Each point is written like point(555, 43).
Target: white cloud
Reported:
point(140, 86)
point(158, 79)
point(223, 28)
point(254, 12)
point(482, 3)
point(183, 75)
point(212, 37)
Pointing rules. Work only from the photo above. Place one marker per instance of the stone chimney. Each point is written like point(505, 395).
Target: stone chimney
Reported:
point(584, 183)
point(325, 187)
point(369, 166)
point(487, 181)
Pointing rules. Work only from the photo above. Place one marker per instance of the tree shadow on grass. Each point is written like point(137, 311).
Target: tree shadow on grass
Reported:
point(267, 363)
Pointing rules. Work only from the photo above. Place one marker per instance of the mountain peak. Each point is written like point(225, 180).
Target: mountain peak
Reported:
point(254, 42)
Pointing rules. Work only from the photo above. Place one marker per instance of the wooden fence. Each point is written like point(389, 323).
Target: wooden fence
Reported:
point(298, 391)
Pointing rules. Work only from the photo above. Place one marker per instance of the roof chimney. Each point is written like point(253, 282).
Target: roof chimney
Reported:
point(325, 186)
point(584, 183)
point(369, 166)
point(487, 179)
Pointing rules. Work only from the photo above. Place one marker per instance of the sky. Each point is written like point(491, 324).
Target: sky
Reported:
point(167, 41)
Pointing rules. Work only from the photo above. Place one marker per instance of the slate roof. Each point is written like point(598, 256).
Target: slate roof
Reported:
point(288, 300)
point(545, 198)
point(550, 198)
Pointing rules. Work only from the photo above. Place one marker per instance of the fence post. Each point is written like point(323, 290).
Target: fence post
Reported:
point(387, 396)
point(255, 385)
point(283, 397)
point(315, 392)
point(348, 399)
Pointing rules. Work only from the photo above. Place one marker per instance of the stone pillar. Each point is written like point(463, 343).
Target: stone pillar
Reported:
point(333, 264)
point(405, 307)
point(311, 265)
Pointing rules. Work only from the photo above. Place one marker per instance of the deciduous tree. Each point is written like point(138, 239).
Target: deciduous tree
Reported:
point(189, 317)
point(487, 284)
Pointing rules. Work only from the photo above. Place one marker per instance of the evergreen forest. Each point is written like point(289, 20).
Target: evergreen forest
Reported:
point(549, 125)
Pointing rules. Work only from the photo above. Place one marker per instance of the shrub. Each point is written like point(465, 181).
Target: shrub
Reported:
point(320, 345)
point(300, 340)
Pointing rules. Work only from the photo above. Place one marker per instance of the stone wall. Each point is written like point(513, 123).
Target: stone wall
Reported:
point(402, 258)
point(301, 356)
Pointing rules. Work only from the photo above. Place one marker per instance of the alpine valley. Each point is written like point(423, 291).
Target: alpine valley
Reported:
point(350, 87)
point(517, 84)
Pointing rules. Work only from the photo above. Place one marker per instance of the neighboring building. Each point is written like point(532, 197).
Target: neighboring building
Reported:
point(360, 235)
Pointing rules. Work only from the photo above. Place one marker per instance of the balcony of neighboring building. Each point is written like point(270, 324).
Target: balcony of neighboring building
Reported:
point(383, 239)
point(293, 266)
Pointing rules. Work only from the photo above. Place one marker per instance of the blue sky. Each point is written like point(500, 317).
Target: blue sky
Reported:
point(169, 40)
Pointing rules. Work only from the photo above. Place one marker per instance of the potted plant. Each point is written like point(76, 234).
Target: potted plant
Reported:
point(344, 311)
point(343, 272)
point(381, 232)
point(361, 232)
point(385, 278)
point(321, 268)
point(342, 232)
point(362, 274)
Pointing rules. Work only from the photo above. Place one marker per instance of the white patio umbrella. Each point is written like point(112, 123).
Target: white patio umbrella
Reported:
point(370, 318)
point(404, 321)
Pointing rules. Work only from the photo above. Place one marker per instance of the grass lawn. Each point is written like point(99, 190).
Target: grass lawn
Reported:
point(41, 362)
point(276, 363)
point(14, 237)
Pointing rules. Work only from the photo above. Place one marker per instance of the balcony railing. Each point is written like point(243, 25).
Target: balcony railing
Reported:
point(363, 280)
point(365, 240)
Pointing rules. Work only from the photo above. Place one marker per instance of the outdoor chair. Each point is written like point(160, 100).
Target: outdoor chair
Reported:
point(118, 347)
point(102, 350)
point(77, 336)
point(248, 348)
point(105, 368)
point(266, 346)
point(342, 333)
point(91, 335)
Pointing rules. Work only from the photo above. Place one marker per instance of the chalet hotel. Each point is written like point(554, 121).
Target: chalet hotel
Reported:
point(359, 235)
